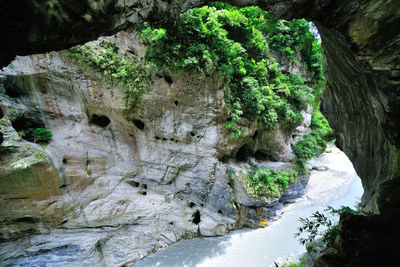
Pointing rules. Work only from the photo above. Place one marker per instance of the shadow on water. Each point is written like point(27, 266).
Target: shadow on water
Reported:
point(188, 252)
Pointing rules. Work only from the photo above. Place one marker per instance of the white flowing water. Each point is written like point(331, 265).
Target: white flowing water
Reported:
point(336, 184)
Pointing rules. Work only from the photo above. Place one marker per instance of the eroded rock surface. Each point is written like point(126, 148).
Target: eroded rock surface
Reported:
point(112, 185)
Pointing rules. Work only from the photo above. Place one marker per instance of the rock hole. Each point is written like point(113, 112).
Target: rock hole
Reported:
point(201, 204)
point(12, 92)
point(261, 155)
point(65, 161)
point(243, 153)
point(62, 186)
point(64, 222)
point(144, 193)
point(255, 135)
point(12, 87)
point(139, 124)
point(100, 120)
point(171, 223)
point(144, 186)
point(191, 204)
point(27, 220)
point(1, 113)
point(133, 183)
point(1, 138)
point(192, 134)
point(220, 212)
point(225, 158)
point(196, 217)
point(25, 125)
point(157, 138)
point(168, 79)
point(176, 103)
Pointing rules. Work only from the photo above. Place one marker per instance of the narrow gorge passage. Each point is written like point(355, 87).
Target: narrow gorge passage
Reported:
point(333, 182)
point(120, 147)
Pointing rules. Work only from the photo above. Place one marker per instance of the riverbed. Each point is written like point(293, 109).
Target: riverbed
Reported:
point(333, 182)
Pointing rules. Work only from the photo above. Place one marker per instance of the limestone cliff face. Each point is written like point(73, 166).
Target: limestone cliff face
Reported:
point(112, 186)
point(361, 41)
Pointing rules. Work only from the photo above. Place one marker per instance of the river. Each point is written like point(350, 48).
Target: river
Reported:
point(334, 183)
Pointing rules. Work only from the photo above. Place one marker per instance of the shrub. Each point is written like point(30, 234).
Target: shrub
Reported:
point(322, 225)
point(264, 181)
point(313, 143)
point(105, 59)
point(41, 135)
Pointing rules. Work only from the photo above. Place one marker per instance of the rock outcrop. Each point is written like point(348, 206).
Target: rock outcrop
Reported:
point(114, 185)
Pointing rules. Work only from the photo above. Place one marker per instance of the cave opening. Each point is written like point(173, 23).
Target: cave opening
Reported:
point(12, 87)
point(26, 124)
point(139, 124)
point(262, 155)
point(100, 120)
point(168, 79)
point(196, 217)
point(1, 138)
point(133, 183)
point(243, 153)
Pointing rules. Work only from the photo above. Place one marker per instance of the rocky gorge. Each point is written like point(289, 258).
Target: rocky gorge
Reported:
point(361, 45)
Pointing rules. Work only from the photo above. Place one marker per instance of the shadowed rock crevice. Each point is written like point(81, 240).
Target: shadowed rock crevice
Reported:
point(25, 124)
point(100, 120)
point(139, 124)
point(13, 86)
point(196, 217)
point(243, 153)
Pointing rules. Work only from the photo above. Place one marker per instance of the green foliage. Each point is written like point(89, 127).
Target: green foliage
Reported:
point(105, 59)
point(301, 263)
point(153, 34)
point(262, 181)
point(36, 134)
point(234, 42)
point(288, 37)
point(322, 225)
point(3, 122)
point(313, 143)
point(41, 135)
point(231, 173)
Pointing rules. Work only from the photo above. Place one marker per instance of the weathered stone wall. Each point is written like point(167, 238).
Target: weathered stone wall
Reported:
point(112, 186)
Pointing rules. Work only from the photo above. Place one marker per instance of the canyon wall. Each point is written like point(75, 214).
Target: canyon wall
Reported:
point(114, 183)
